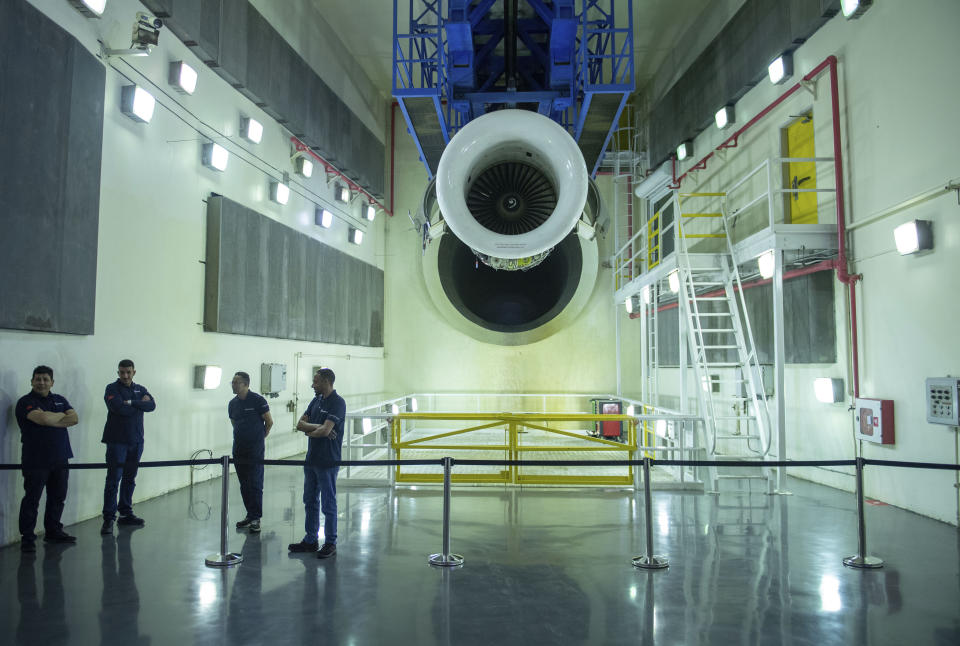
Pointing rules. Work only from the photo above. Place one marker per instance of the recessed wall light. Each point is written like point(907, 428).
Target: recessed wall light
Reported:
point(355, 236)
point(341, 192)
point(251, 130)
point(137, 103)
point(828, 390)
point(684, 150)
point(371, 212)
point(853, 9)
point(279, 192)
point(913, 236)
point(89, 8)
point(183, 78)
point(724, 116)
point(303, 167)
point(215, 156)
point(207, 377)
point(780, 69)
point(323, 218)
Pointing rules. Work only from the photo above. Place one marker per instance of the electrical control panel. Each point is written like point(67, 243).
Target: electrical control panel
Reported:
point(874, 420)
point(942, 395)
point(273, 378)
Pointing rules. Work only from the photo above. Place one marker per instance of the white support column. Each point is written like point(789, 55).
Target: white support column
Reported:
point(779, 357)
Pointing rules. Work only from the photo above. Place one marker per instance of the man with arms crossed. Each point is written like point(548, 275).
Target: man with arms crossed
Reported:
point(250, 415)
point(323, 424)
point(123, 434)
point(43, 418)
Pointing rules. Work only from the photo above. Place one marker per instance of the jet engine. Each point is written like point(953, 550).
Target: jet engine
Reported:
point(511, 185)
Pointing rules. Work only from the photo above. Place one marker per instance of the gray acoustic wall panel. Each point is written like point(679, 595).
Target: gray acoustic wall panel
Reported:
point(265, 279)
point(51, 135)
point(242, 47)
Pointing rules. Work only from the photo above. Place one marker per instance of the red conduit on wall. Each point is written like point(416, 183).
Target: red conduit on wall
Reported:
point(840, 264)
point(330, 169)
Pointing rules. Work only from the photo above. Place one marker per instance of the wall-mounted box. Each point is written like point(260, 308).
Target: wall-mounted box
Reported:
point(273, 378)
point(942, 395)
point(874, 420)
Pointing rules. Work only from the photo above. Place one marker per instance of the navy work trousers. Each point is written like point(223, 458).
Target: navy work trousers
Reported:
point(123, 461)
point(54, 479)
point(320, 493)
point(250, 477)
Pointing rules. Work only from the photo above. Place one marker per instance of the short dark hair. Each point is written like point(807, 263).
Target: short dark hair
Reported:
point(244, 376)
point(126, 363)
point(43, 370)
point(327, 375)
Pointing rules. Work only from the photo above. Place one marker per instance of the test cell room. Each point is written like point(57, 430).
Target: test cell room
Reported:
point(479, 321)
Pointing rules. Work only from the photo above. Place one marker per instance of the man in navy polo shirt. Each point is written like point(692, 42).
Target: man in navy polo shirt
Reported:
point(323, 424)
point(43, 418)
point(250, 415)
point(123, 434)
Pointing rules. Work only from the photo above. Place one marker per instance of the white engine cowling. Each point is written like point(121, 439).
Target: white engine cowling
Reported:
point(511, 184)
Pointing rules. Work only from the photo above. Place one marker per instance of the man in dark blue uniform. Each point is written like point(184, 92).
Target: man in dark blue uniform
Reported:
point(123, 435)
point(43, 418)
point(250, 415)
point(323, 424)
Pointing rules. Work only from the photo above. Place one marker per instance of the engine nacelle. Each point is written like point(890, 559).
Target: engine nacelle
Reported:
point(511, 184)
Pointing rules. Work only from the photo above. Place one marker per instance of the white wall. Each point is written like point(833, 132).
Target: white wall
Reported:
point(150, 278)
point(898, 117)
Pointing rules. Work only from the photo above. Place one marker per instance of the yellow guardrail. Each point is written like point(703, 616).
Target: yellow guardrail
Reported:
point(515, 445)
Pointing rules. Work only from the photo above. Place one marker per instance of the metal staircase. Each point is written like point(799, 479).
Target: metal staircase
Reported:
point(724, 357)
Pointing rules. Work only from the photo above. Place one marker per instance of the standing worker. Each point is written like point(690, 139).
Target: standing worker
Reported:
point(43, 418)
point(250, 415)
point(123, 434)
point(323, 424)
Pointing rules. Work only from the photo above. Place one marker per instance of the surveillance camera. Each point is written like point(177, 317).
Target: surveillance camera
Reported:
point(149, 21)
point(146, 31)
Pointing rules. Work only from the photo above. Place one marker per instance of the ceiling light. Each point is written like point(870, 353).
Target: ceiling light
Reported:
point(251, 130)
point(781, 69)
point(645, 294)
point(90, 8)
point(674, 281)
point(215, 156)
point(913, 236)
point(355, 236)
point(684, 150)
point(628, 304)
point(767, 263)
point(853, 9)
point(323, 218)
point(303, 167)
point(207, 377)
point(371, 212)
point(828, 390)
point(137, 103)
point(724, 116)
point(279, 192)
point(183, 78)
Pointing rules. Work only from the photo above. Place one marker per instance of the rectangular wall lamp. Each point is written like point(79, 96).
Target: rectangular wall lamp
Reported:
point(341, 192)
point(371, 212)
point(828, 390)
point(89, 8)
point(356, 236)
point(279, 192)
point(137, 103)
point(207, 377)
point(684, 150)
point(215, 157)
point(303, 167)
point(251, 130)
point(780, 69)
point(673, 280)
point(724, 117)
point(183, 78)
point(323, 218)
point(914, 236)
point(853, 9)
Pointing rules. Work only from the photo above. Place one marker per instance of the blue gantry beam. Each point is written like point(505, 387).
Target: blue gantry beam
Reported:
point(455, 60)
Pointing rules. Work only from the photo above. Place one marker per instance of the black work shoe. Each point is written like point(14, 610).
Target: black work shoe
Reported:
point(107, 527)
point(244, 523)
point(131, 520)
point(328, 550)
point(28, 545)
point(254, 526)
point(303, 546)
point(59, 537)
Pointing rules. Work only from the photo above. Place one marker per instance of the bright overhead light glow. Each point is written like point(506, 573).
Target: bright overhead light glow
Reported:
point(828, 390)
point(724, 116)
point(356, 236)
point(207, 377)
point(628, 304)
point(674, 281)
point(323, 218)
point(215, 156)
point(780, 69)
point(412, 404)
point(137, 103)
point(767, 263)
point(304, 167)
point(660, 427)
point(913, 236)
point(684, 150)
point(830, 594)
point(279, 192)
point(394, 409)
point(371, 212)
point(853, 9)
point(367, 424)
point(183, 78)
point(631, 410)
point(251, 130)
point(645, 294)
point(90, 8)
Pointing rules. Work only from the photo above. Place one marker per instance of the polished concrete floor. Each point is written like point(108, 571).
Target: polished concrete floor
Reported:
point(543, 566)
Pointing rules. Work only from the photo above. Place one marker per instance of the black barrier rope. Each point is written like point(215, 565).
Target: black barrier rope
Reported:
point(914, 465)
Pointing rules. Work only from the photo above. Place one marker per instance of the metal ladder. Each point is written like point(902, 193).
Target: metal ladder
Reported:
point(728, 374)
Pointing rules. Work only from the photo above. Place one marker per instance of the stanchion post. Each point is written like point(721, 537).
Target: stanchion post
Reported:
point(224, 558)
point(445, 558)
point(649, 562)
point(861, 560)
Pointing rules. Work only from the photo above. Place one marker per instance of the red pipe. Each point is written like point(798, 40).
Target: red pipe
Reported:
point(331, 169)
point(840, 264)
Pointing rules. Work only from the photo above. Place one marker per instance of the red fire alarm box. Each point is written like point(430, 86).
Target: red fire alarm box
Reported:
point(608, 407)
point(874, 420)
